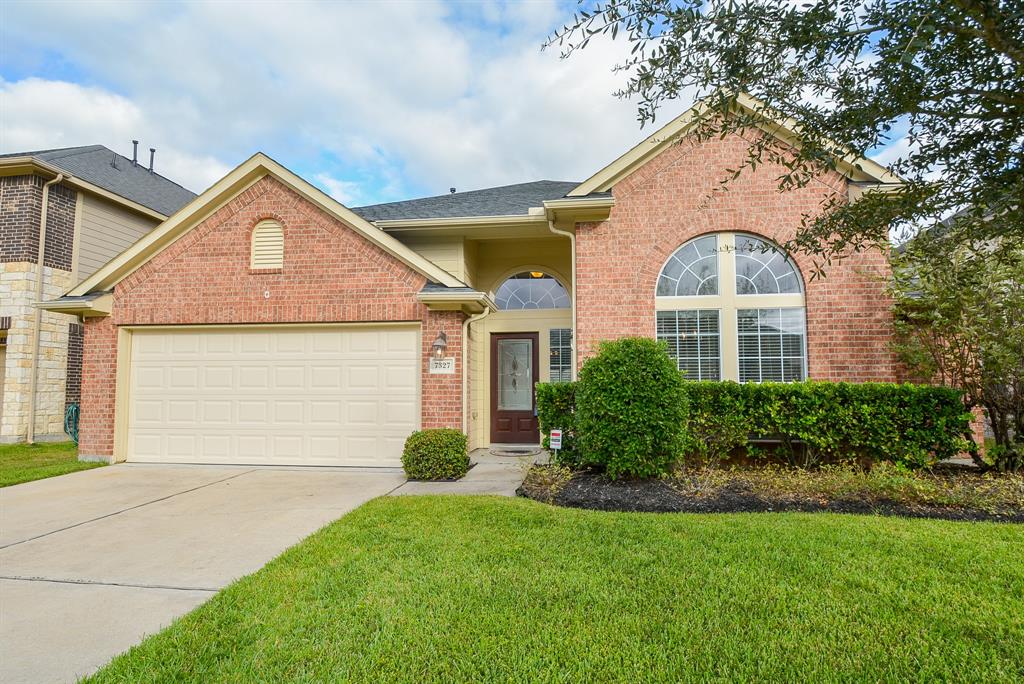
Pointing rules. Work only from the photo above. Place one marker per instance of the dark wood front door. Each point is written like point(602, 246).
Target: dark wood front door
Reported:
point(514, 373)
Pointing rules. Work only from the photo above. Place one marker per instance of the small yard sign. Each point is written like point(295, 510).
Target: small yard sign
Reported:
point(555, 439)
point(445, 366)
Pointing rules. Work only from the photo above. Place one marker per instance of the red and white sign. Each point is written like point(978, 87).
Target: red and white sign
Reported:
point(555, 439)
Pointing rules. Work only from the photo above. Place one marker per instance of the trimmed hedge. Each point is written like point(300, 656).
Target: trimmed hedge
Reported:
point(556, 408)
point(631, 409)
point(914, 425)
point(436, 454)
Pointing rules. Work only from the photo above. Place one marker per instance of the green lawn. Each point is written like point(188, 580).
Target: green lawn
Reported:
point(485, 589)
point(26, 462)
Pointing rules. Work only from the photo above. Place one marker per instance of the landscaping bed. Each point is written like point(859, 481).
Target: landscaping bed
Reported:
point(947, 493)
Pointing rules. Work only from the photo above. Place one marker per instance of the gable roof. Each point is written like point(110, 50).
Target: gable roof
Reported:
point(109, 170)
point(505, 200)
point(223, 191)
point(787, 130)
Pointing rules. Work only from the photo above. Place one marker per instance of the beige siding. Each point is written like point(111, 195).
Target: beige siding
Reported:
point(444, 251)
point(106, 231)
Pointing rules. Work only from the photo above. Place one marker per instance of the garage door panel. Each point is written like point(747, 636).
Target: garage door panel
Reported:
point(323, 396)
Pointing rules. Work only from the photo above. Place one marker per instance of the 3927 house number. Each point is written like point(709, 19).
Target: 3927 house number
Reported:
point(445, 366)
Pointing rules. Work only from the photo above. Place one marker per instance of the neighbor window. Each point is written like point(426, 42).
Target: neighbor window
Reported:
point(560, 363)
point(731, 306)
point(531, 290)
point(267, 246)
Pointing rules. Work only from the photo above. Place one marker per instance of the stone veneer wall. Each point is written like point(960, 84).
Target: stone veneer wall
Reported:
point(17, 294)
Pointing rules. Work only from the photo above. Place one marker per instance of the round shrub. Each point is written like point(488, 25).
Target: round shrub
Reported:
point(631, 409)
point(435, 454)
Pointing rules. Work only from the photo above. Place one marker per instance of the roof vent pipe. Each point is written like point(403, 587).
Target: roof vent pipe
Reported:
point(152, 153)
point(135, 152)
point(451, 190)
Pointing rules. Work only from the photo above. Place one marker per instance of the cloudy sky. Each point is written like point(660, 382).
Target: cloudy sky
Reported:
point(372, 101)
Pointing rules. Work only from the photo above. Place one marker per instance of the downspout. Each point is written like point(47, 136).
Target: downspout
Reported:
point(572, 244)
point(38, 316)
point(465, 357)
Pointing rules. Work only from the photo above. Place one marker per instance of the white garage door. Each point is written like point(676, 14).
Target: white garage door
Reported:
point(273, 395)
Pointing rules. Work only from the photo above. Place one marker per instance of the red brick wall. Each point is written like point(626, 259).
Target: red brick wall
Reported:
point(99, 374)
point(445, 407)
point(674, 198)
point(21, 201)
point(330, 274)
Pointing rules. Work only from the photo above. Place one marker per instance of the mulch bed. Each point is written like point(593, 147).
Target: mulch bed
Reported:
point(594, 491)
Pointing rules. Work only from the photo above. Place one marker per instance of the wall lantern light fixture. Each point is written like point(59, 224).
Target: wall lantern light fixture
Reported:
point(440, 345)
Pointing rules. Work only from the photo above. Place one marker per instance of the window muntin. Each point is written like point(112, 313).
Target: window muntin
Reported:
point(764, 269)
point(752, 276)
point(693, 338)
point(531, 290)
point(560, 362)
point(771, 344)
point(691, 270)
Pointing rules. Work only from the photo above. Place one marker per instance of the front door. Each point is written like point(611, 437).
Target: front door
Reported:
point(514, 373)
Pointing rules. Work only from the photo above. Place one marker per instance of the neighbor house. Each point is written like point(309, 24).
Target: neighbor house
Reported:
point(88, 204)
point(267, 323)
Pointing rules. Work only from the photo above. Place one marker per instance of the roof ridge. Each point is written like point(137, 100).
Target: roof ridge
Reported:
point(467, 192)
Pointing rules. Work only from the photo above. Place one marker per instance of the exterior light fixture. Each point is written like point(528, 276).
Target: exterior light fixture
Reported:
point(439, 346)
point(536, 274)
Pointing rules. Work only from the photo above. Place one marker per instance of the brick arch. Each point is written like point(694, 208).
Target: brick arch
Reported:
point(267, 216)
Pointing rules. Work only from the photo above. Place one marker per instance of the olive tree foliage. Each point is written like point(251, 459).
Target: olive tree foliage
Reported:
point(852, 75)
point(960, 321)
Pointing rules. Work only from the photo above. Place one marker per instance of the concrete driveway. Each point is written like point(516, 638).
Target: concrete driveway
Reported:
point(93, 561)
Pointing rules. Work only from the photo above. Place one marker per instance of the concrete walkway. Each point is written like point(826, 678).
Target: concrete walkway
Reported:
point(500, 475)
point(92, 562)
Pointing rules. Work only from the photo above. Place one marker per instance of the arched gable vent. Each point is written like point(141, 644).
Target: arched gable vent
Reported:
point(267, 246)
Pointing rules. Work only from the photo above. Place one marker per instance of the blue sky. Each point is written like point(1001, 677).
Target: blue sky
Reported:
point(372, 101)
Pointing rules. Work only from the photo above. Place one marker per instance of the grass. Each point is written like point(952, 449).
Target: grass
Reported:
point(416, 589)
point(26, 462)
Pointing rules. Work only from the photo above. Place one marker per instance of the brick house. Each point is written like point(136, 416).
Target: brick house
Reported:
point(268, 323)
point(88, 204)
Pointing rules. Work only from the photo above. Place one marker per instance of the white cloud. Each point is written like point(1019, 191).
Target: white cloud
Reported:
point(40, 114)
point(392, 97)
point(346, 192)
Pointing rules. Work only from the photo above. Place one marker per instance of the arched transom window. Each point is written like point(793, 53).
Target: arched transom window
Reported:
point(731, 306)
point(531, 290)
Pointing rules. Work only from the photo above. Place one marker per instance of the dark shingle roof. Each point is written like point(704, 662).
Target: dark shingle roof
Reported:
point(507, 200)
point(92, 163)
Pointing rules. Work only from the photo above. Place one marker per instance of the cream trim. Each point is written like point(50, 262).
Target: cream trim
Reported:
point(16, 166)
point(226, 189)
point(122, 390)
point(462, 221)
point(572, 210)
point(100, 306)
point(469, 302)
point(786, 129)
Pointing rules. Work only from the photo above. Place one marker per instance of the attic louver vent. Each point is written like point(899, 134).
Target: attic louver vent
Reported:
point(267, 246)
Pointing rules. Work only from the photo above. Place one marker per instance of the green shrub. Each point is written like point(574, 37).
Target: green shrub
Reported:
point(914, 425)
point(435, 454)
point(631, 409)
point(556, 408)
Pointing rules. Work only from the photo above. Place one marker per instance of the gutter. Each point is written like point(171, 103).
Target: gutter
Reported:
point(30, 435)
point(572, 248)
point(465, 371)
